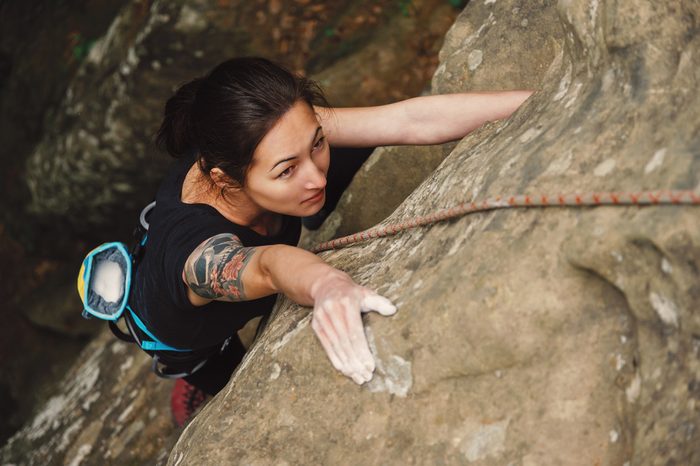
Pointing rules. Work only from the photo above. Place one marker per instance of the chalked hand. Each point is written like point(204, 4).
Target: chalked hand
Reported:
point(337, 322)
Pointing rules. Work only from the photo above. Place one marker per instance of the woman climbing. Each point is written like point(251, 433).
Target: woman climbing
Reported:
point(254, 143)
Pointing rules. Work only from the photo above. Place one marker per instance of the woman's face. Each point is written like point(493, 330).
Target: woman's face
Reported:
point(288, 171)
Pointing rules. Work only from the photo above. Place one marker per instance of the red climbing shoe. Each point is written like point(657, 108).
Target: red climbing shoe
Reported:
point(185, 399)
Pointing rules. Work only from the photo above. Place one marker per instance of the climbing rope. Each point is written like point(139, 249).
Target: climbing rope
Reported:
point(520, 200)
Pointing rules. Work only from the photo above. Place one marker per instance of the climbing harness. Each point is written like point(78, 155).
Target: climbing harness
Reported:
point(104, 283)
point(518, 201)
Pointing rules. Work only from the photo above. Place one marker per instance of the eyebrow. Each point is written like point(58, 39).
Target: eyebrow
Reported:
point(292, 157)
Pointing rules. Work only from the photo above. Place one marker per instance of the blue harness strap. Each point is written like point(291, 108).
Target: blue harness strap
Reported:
point(154, 344)
point(142, 229)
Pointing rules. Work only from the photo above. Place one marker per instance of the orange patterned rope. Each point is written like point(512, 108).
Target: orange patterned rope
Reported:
point(561, 200)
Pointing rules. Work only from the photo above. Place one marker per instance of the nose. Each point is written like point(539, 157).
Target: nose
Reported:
point(315, 177)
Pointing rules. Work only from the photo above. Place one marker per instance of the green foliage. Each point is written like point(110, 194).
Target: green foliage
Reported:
point(82, 47)
point(404, 7)
point(458, 3)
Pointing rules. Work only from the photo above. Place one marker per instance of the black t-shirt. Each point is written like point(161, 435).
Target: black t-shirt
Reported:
point(158, 293)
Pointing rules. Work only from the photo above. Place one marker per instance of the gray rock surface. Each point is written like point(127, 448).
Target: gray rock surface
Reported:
point(109, 409)
point(523, 337)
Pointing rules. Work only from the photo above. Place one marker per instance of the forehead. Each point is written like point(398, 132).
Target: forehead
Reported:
point(289, 136)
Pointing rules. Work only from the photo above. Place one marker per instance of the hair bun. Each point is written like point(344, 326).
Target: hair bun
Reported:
point(176, 133)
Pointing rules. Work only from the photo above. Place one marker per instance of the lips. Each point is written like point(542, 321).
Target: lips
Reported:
point(315, 198)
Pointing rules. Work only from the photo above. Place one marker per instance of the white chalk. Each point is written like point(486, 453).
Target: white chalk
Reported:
point(375, 302)
point(108, 281)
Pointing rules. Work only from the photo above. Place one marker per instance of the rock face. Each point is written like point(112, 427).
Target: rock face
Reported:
point(108, 410)
point(26, 98)
point(523, 337)
point(26, 95)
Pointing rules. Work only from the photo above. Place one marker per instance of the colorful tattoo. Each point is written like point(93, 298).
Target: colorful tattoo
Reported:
point(214, 269)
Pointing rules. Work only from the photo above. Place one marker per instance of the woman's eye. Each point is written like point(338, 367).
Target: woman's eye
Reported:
point(319, 143)
point(288, 171)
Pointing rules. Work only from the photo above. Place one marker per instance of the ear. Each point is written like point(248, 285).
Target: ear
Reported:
point(222, 180)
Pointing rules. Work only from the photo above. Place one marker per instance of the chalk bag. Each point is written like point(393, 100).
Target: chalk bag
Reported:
point(104, 280)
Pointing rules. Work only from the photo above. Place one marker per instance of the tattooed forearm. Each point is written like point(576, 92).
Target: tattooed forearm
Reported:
point(215, 268)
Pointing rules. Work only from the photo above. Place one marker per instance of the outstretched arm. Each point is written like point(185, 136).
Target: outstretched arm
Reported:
point(422, 120)
point(222, 269)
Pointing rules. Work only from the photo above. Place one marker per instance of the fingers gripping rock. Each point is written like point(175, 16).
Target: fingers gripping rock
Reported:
point(375, 302)
point(326, 343)
point(330, 326)
point(345, 319)
point(337, 322)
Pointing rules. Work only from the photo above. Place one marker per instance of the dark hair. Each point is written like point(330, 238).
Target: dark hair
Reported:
point(223, 116)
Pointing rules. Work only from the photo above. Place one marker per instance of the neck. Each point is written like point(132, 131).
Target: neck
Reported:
point(235, 205)
point(240, 209)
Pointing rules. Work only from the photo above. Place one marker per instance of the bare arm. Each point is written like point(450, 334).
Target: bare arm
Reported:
point(421, 120)
point(222, 269)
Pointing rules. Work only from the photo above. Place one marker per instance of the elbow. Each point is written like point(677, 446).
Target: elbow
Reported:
point(413, 132)
point(266, 259)
point(413, 129)
point(419, 125)
point(424, 134)
point(415, 135)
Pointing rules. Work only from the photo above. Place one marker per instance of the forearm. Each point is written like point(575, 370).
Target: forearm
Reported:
point(441, 118)
point(297, 273)
point(433, 119)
